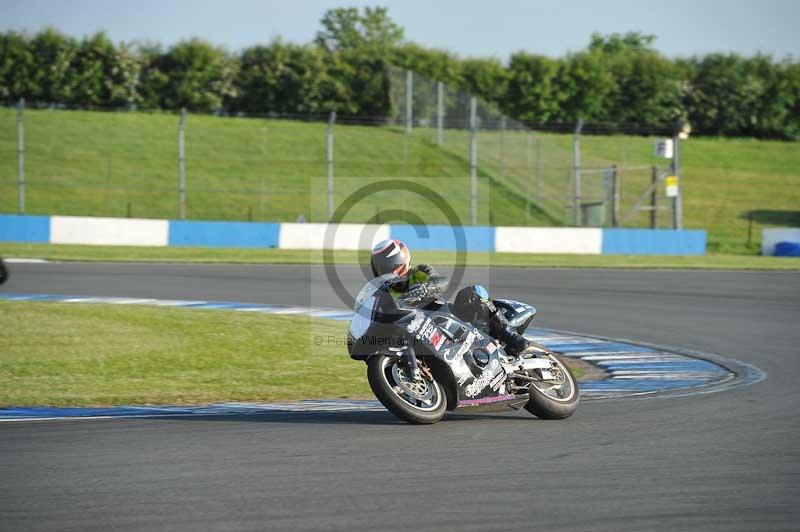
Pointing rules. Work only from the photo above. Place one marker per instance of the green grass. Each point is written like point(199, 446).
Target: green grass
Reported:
point(115, 164)
point(284, 256)
point(70, 355)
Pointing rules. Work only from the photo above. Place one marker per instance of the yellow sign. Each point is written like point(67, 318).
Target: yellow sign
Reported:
point(672, 186)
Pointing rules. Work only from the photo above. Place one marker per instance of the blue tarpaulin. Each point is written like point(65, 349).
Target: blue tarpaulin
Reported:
point(787, 249)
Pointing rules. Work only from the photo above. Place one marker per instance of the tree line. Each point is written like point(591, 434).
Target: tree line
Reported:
point(617, 80)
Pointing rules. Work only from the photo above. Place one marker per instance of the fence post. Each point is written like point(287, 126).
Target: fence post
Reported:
point(654, 199)
point(502, 146)
point(576, 169)
point(538, 171)
point(21, 155)
point(182, 165)
point(439, 112)
point(528, 150)
point(677, 210)
point(329, 158)
point(473, 160)
point(614, 196)
point(409, 100)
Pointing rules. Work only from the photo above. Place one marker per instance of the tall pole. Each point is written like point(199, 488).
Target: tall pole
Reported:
point(528, 156)
point(182, 166)
point(502, 146)
point(677, 211)
point(654, 198)
point(614, 196)
point(473, 160)
point(21, 155)
point(538, 171)
point(409, 100)
point(329, 158)
point(439, 112)
point(576, 169)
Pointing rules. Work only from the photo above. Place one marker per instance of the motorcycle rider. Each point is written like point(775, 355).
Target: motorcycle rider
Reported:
point(472, 303)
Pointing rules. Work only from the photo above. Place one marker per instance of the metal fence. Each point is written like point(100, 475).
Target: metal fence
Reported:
point(492, 169)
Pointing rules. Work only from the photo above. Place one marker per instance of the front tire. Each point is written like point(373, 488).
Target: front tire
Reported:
point(3, 272)
point(556, 398)
point(421, 401)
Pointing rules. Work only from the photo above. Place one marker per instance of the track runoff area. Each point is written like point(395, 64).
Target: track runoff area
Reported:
point(630, 369)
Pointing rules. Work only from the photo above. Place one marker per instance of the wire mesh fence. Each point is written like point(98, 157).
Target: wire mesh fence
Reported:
point(492, 169)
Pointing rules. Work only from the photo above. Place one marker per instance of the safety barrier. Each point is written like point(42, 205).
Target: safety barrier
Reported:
point(141, 232)
point(773, 236)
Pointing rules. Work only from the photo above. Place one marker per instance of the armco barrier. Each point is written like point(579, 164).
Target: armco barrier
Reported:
point(654, 242)
point(138, 232)
point(443, 237)
point(108, 231)
point(346, 236)
point(548, 240)
point(770, 237)
point(224, 234)
point(24, 228)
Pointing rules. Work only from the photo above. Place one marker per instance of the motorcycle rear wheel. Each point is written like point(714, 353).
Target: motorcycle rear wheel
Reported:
point(420, 402)
point(557, 398)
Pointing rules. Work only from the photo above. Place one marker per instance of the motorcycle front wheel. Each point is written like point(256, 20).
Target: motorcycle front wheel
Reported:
point(555, 398)
point(418, 401)
point(3, 272)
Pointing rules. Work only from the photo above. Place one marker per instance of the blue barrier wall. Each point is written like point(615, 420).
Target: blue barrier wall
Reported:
point(654, 242)
point(223, 234)
point(15, 228)
point(442, 237)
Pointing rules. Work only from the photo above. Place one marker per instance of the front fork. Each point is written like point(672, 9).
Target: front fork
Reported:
point(408, 358)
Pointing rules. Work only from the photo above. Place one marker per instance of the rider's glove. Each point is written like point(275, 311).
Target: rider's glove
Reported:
point(418, 292)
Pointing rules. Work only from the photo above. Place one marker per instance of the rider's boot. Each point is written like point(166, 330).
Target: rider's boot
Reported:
point(499, 328)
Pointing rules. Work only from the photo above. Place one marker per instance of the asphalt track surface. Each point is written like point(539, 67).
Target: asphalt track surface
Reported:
point(723, 461)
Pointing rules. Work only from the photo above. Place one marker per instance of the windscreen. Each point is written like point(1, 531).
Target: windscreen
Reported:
point(366, 303)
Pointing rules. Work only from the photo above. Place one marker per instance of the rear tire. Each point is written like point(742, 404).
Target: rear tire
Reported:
point(382, 374)
point(3, 272)
point(548, 405)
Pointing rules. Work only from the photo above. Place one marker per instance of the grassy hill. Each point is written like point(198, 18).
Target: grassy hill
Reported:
point(116, 164)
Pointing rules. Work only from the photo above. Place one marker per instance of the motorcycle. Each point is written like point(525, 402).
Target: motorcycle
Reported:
point(423, 360)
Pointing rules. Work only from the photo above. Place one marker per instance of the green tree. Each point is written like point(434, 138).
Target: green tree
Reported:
point(584, 84)
point(486, 78)
point(192, 74)
point(347, 28)
point(288, 78)
point(17, 67)
point(730, 95)
point(53, 54)
point(617, 43)
point(532, 93)
point(100, 74)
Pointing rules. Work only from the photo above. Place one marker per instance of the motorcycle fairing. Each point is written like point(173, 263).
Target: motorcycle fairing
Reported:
point(519, 315)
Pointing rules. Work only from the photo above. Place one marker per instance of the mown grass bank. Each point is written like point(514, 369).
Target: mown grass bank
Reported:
point(121, 164)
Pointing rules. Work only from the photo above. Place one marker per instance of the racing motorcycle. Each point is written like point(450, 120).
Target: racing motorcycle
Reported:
point(423, 360)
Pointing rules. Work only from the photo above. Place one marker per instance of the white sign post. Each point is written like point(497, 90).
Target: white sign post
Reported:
point(672, 186)
point(664, 148)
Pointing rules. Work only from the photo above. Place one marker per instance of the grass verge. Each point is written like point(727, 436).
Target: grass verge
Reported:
point(56, 354)
point(90, 355)
point(58, 252)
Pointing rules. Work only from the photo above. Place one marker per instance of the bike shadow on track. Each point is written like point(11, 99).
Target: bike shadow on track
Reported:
point(344, 418)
